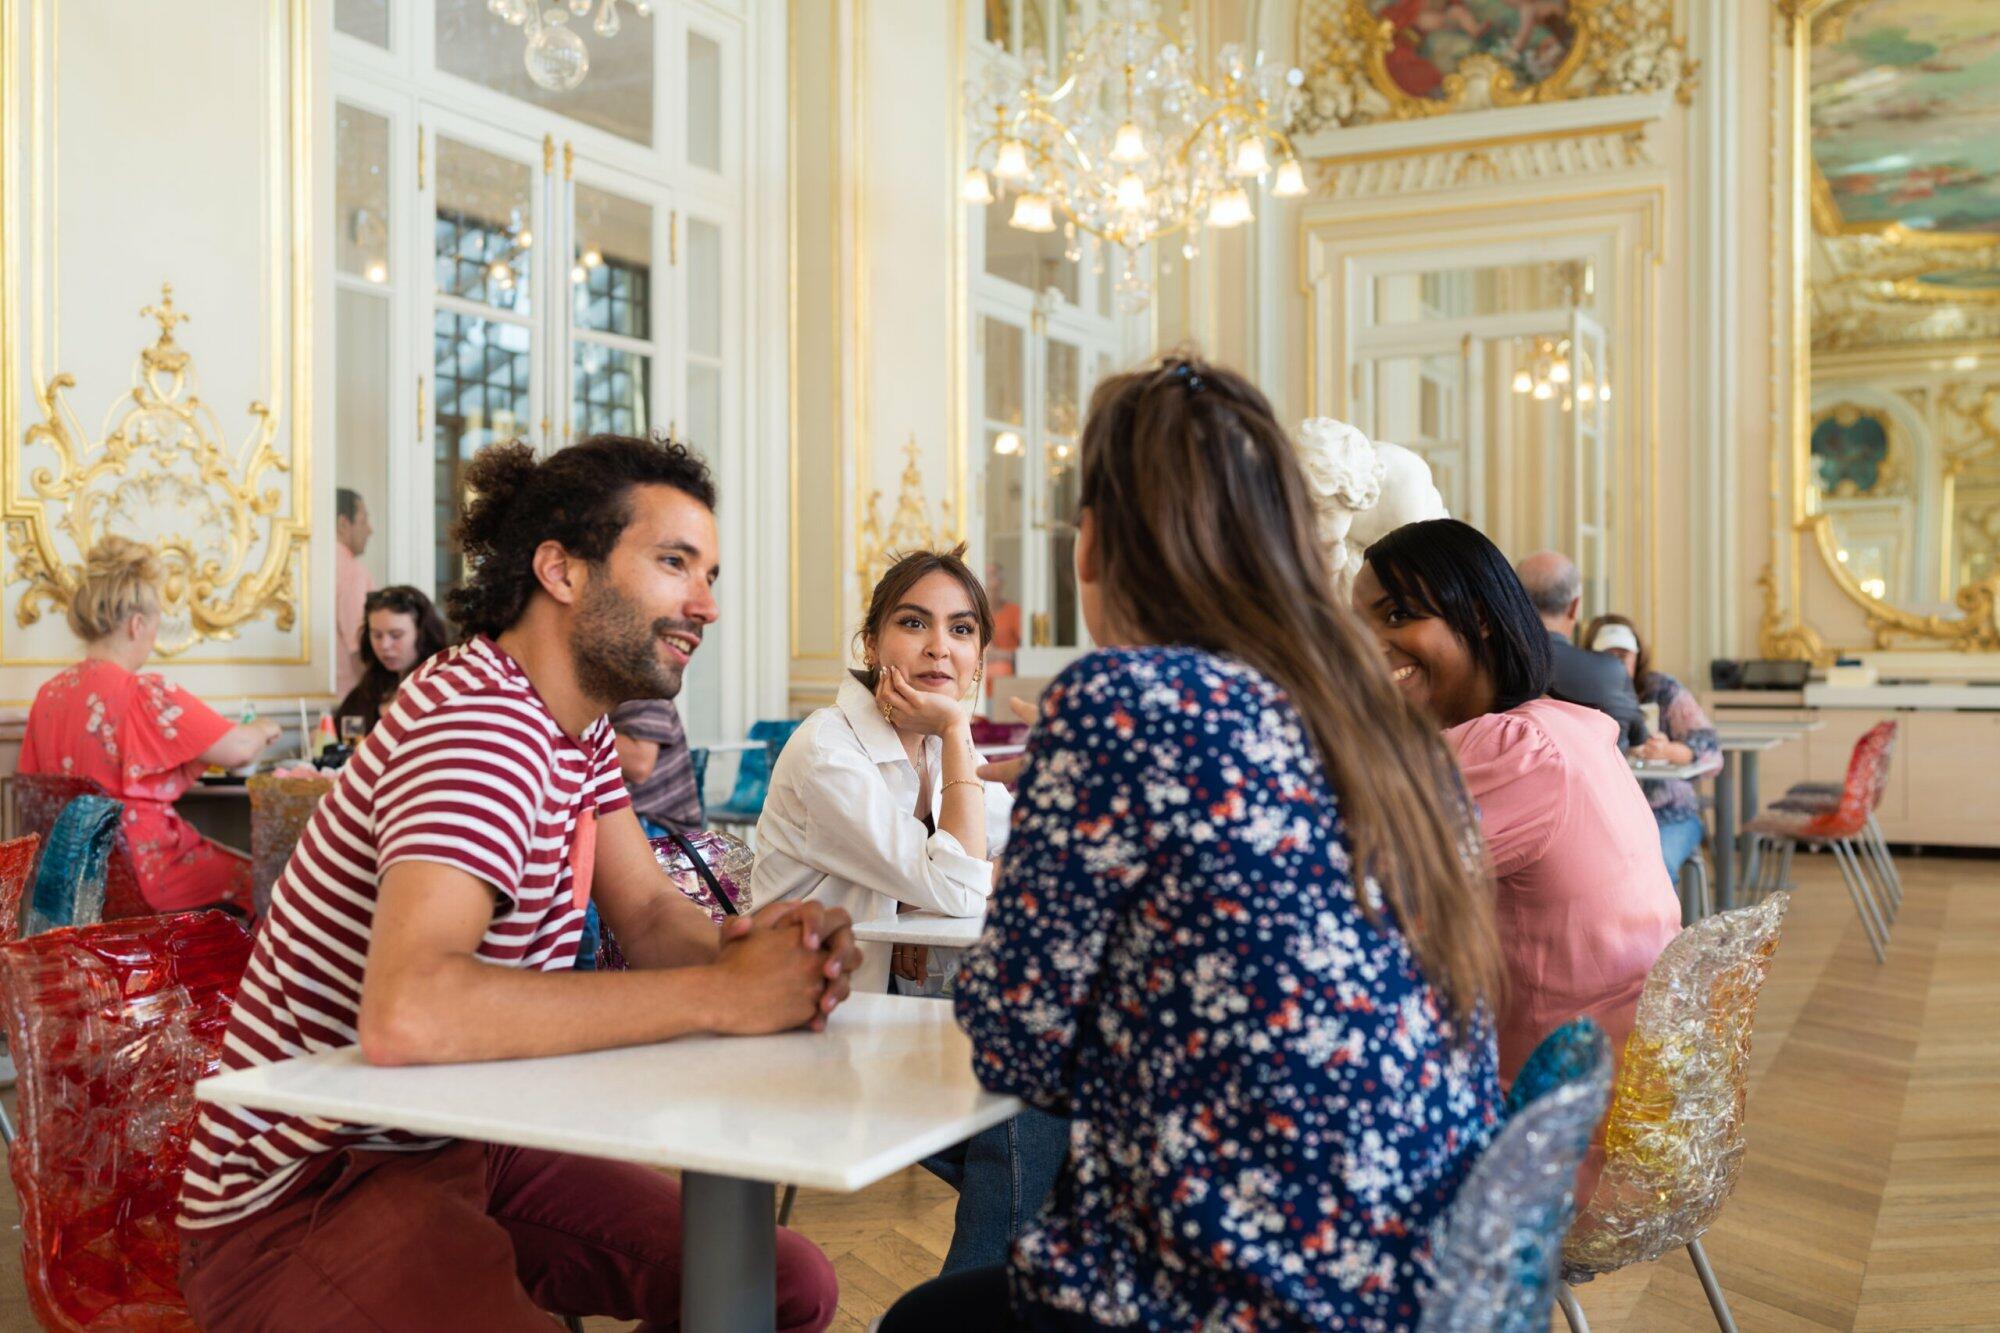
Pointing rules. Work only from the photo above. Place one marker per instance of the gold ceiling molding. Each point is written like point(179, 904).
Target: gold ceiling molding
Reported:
point(162, 474)
point(1366, 62)
point(909, 527)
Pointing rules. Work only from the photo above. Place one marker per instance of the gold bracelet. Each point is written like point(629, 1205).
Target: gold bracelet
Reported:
point(954, 782)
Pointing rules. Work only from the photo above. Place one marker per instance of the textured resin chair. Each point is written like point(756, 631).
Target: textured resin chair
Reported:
point(1673, 1142)
point(71, 884)
point(1842, 829)
point(41, 798)
point(753, 775)
point(1499, 1242)
point(17, 871)
point(279, 809)
point(111, 1026)
point(1824, 798)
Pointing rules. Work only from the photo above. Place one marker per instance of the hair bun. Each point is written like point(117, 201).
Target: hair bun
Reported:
point(113, 557)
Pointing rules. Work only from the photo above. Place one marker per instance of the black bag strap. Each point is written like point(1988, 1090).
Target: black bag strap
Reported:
point(701, 869)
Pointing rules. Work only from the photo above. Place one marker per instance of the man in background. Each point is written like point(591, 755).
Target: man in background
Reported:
point(352, 528)
point(659, 771)
point(1593, 680)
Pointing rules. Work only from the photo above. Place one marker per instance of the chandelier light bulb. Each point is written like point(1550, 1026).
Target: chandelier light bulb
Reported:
point(592, 257)
point(556, 58)
point(1559, 372)
point(1586, 392)
point(1032, 213)
point(1604, 393)
point(1011, 163)
point(643, 8)
point(1544, 391)
point(975, 188)
point(499, 272)
point(1523, 382)
point(1007, 444)
point(377, 271)
point(1131, 193)
point(1291, 182)
point(526, 239)
point(1130, 143)
point(578, 273)
point(1231, 208)
point(1250, 158)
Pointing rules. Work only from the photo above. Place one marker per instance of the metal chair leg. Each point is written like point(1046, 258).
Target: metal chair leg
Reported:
point(572, 1323)
point(1571, 1310)
point(1785, 867)
point(791, 1196)
point(1879, 846)
point(1716, 1301)
point(1872, 879)
point(1749, 866)
point(1863, 906)
point(6, 1127)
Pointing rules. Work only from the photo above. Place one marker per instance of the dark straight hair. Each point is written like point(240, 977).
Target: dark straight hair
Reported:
point(1447, 570)
point(1204, 536)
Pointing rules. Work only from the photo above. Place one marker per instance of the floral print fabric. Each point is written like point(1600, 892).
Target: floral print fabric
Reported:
point(139, 738)
point(1269, 1103)
point(1682, 720)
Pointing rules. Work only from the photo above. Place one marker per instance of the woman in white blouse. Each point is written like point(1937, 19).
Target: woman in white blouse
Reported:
point(876, 805)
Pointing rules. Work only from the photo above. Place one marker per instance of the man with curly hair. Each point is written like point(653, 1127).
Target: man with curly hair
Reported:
point(431, 913)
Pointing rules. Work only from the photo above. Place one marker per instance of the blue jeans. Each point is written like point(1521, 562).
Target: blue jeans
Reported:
point(1003, 1175)
point(1678, 840)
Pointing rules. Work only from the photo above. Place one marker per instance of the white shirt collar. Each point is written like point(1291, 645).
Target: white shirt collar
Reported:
point(879, 738)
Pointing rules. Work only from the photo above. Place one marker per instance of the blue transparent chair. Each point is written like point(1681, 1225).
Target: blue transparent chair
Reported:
point(1500, 1242)
point(753, 774)
point(76, 861)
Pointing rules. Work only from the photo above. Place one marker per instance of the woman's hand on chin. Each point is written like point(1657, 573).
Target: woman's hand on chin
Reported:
point(912, 709)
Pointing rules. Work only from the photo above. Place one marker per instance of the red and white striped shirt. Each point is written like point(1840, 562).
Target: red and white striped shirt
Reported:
point(467, 768)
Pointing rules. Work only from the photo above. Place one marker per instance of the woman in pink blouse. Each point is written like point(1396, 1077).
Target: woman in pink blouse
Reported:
point(139, 738)
point(1584, 905)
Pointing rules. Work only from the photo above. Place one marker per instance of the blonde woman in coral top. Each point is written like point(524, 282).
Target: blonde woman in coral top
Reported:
point(1584, 902)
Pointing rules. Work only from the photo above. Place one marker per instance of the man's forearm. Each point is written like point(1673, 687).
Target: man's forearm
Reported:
point(673, 933)
point(429, 1018)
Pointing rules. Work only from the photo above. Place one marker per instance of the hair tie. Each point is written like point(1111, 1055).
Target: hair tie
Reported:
point(1194, 382)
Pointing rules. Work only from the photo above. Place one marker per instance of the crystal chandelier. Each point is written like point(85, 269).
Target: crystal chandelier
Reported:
point(1128, 144)
point(556, 57)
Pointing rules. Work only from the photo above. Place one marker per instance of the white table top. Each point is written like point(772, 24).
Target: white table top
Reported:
point(932, 928)
point(1728, 727)
point(886, 1085)
point(726, 747)
point(1670, 772)
point(1749, 744)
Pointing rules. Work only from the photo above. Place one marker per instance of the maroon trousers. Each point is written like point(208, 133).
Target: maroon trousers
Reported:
point(468, 1236)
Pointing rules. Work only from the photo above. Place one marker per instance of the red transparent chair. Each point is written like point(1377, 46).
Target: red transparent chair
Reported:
point(1842, 829)
point(111, 1026)
point(1822, 797)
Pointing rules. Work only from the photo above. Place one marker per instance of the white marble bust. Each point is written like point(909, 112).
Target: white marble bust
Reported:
point(1362, 490)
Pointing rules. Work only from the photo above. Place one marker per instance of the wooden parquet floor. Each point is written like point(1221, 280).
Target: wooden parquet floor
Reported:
point(1870, 1198)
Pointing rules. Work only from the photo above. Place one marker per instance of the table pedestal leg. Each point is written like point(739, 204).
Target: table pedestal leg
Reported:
point(1751, 808)
point(1725, 833)
point(729, 1279)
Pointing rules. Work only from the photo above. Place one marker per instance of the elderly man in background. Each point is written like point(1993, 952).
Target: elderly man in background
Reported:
point(1594, 680)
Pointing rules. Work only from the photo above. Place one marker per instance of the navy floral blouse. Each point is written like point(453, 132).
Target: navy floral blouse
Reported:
point(1269, 1103)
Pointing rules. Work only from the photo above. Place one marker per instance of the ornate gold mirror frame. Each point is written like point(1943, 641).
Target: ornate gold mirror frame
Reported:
point(1801, 201)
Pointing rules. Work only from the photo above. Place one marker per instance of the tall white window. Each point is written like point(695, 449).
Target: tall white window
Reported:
point(514, 263)
point(1043, 333)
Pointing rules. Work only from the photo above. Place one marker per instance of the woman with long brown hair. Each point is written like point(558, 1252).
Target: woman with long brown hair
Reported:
point(1237, 936)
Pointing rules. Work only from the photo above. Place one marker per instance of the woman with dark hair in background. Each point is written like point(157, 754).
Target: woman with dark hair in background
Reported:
point(1685, 736)
point(1236, 936)
point(1584, 904)
point(401, 631)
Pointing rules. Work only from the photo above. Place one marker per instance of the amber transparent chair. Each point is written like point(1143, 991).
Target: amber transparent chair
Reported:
point(280, 807)
point(1673, 1141)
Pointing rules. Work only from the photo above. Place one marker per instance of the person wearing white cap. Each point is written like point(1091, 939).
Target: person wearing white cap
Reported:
point(1683, 735)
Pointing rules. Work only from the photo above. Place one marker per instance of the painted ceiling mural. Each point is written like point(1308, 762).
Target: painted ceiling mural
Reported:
point(1905, 106)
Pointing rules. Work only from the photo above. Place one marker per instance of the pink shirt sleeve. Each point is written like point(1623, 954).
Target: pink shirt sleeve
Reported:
point(1514, 774)
point(352, 585)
